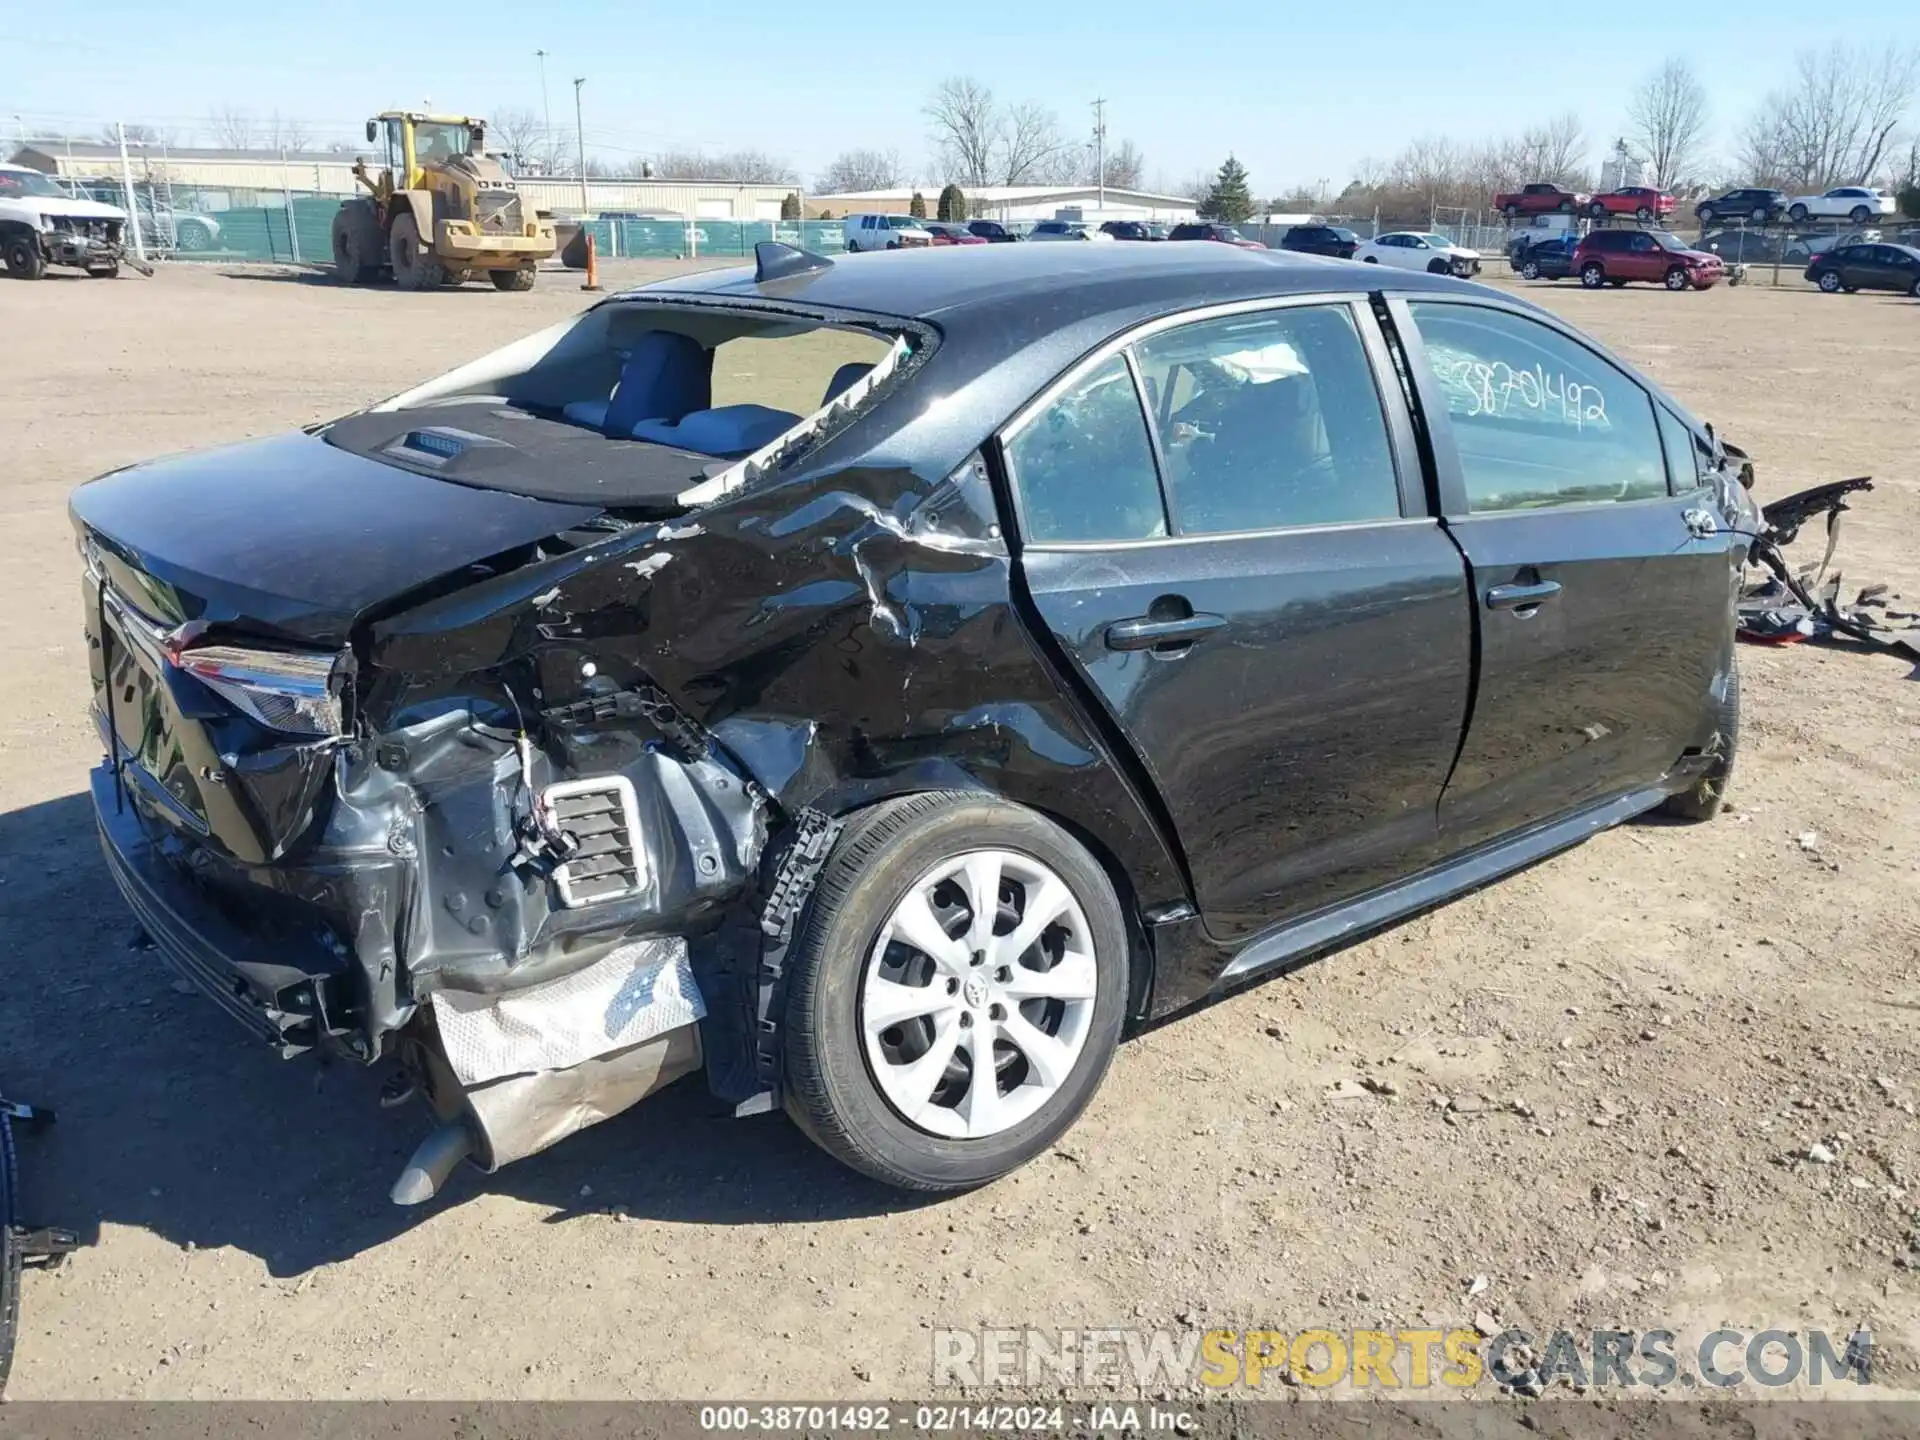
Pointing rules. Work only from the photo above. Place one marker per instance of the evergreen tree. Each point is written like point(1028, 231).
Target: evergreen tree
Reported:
point(918, 209)
point(1229, 199)
point(953, 205)
point(790, 207)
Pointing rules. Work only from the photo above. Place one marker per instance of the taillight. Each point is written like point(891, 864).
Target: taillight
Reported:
point(284, 690)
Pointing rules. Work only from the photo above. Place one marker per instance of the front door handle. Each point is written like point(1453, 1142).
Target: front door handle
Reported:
point(1522, 597)
point(1143, 632)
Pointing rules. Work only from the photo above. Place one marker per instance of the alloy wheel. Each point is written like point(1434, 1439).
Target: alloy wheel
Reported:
point(978, 995)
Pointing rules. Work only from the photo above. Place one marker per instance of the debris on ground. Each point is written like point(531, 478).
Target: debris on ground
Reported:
point(1785, 606)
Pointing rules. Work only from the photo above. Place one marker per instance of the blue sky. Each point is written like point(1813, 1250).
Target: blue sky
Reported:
point(1298, 92)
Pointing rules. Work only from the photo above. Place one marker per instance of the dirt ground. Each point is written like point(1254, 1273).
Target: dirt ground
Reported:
point(1638, 1036)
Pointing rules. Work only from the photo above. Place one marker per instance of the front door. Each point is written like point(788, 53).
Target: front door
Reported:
point(1603, 621)
point(1243, 572)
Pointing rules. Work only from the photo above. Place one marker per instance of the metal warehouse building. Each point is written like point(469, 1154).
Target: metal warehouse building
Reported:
point(1017, 202)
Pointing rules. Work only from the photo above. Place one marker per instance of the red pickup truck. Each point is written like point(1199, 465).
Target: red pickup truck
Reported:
point(1642, 202)
point(1540, 199)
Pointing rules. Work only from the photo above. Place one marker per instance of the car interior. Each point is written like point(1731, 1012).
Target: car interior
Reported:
point(630, 404)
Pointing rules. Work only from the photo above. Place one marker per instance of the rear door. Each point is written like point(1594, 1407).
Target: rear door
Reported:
point(1223, 528)
point(1604, 624)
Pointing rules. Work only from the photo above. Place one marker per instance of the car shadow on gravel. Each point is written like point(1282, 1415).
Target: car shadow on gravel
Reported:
point(171, 1120)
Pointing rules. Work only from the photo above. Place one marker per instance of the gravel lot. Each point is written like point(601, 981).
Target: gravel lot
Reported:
point(1676, 1011)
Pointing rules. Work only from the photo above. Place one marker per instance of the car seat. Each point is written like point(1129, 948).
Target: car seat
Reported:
point(728, 431)
point(666, 375)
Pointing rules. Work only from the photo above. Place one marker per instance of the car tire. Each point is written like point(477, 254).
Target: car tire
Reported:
point(1676, 278)
point(1914, 290)
point(1530, 270)
point(1643, 215)
point(1859, 215)
point(1705, 215)
point(517, 279)
point(1597, 210)
point(1566, 207)
point(415, 267)
point(1512, 212)
point(1763, 218)
point(1439, 267)
point(1797, 214)
point(1829, 281)
point(850, 1049)
point(24, 258)
point(1592, 276)
point(1371, 260)
point(893, 244)
point(192, 235)
point(1703, 799)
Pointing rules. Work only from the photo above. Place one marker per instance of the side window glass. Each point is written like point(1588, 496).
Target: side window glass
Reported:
point(1269, 420)
point(1084, 466)
point(1538, 420)
point(1685, 463)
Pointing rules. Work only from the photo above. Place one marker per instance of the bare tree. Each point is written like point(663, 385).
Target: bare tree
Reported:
point(1033, 151)
point(1668, 112)
point(1834, 123)
point(232, 128)
point(1125, 166)
point(967, 129)
point(738, 167)
point(136, 134)
point(857, 171)
point(517, 131)
point(1555, 150)
point(286, 132)
point(1430, 169)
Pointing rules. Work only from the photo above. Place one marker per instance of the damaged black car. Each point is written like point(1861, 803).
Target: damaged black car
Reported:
point(881, 683)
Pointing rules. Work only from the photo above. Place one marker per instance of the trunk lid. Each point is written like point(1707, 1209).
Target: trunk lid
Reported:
point(221, 595)
point(293, 537)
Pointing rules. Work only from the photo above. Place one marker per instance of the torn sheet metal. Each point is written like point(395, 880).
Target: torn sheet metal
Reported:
point(641, 989)
point(1785, 605)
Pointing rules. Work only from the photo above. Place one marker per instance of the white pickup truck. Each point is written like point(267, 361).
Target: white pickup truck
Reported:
point(42, 225)
point(1857, 203)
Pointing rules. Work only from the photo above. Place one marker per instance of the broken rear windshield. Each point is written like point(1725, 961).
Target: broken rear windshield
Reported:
point(636, 405)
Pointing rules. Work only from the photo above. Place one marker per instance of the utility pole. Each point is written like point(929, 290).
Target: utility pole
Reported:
point(1100, 149)
point(580, 135)
point(546, 106)
point(133, 201)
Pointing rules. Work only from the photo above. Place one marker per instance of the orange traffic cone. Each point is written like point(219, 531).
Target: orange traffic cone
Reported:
point(593, 265)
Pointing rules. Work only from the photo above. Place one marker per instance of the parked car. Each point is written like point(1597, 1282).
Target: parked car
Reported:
point(1066, 230)
point(1643, 202)
point(1550, 259)
point(1868, 267)
point(41, 225)
point(1538, 199)
point(1127, 229)
point(992, 231)
point(1741, 245)
point(1331, 240)
point(950, 232)
point(1415, 250)
point(1844, 202)
point(1801, 248)
point(1159, 229)
point(1615, 257)
point(545, 754)
point(1216, 232)
point(1754, 205)
point(161, 226)
point(884, 232)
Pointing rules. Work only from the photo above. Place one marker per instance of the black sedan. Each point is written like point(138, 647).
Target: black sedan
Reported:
point(1332, 240)
point(1867, 267)
point(1093, 630)
point(993, 232)
point(1547, 259)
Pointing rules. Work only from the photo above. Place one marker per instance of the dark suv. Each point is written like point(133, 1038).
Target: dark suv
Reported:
point(1329, 240)
point(1128, 229)
point(1759, 207)
point(992, 231)
point(1209, 230)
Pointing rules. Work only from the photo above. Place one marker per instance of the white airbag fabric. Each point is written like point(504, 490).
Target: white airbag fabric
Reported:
point(639, 990)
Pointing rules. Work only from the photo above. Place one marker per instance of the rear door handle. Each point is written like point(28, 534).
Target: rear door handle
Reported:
point(1143, 632)
point(1522, 597)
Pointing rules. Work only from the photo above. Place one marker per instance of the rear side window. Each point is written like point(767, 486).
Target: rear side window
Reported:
point(1686, 465)
point(1538, 420)
point(1083, 466)
point(1269, 420)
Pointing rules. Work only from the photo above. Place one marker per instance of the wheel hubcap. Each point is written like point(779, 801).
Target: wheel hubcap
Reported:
point(978, 995)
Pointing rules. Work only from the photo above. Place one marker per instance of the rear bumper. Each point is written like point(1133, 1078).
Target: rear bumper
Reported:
point(280, 1003)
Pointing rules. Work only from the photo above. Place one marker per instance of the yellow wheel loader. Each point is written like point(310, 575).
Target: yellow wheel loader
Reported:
point(440, 212)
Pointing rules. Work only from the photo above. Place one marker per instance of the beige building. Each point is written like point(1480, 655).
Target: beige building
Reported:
point(233, 178)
